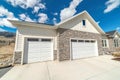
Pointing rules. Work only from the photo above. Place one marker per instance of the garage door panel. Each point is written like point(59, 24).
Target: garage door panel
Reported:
point(83, 49)
point(39, 51)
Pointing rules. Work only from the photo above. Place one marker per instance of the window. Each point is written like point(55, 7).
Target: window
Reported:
point(87, 41)
point(116, 42)
point(33, 39)
point(80, 40)
point(73, 40)
point(92, 41)
point(46, 40)
point(105, 43)
point(83, 22)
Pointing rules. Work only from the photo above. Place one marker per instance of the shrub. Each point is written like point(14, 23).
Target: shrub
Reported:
point(116, 54)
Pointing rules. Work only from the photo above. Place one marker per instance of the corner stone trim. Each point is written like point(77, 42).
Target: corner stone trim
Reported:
point(17, 57)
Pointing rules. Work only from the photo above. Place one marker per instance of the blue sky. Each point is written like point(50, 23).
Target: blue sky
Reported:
point(105, 12)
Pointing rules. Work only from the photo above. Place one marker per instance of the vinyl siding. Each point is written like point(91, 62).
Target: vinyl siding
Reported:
point(76, 24)
point(19, 42)
point(36, 32)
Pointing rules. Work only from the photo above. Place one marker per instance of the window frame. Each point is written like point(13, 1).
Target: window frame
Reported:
point(83, 22)
point(32, 39)
point(116, 45)
point(105, 43)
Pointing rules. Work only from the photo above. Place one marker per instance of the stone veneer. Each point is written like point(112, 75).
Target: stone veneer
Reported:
point(64, 41)
point(17, 57)
point(55, 55)
point(111, 48)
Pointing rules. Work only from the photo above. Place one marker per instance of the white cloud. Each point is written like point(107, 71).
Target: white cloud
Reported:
point(55, 13)
point(35, 4)
point(111, 5)
point(118, 28)
point(22, 16)
point(38, 7)
point(24, 3)
point(28, 19)
point(5, 22)
point(41, 6)
point(25, 18)
point(98, 22)
point(2, 30)
point(6, 15)
point(54, 20)
point(43, 17)
point(70, 11)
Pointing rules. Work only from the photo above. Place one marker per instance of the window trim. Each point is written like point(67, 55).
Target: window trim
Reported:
point(45, 40)
point(33, 39)
point(116, 45)
point(105, 43)
point(83, 22)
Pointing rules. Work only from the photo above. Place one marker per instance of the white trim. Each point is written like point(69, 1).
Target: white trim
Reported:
point(107, 43)
point(22, 55)
point(32, 24)
point(16, 40)
point(70, 49)
point(116, 43)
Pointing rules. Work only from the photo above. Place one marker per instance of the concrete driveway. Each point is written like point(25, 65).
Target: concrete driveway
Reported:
point(95, 68)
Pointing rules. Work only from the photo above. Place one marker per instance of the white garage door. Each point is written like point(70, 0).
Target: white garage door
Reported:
point(39, 50)
point(83, 48)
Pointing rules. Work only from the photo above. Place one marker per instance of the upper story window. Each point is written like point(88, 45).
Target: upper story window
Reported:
point(104, 43)
point(83, 22)
point(116, 42)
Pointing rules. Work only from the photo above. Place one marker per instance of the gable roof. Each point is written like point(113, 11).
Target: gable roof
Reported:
point(112, 33)
point(88, 17)
point(32, 24)
point(58, 25)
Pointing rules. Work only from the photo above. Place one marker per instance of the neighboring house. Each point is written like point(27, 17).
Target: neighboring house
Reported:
point(74, 38)
point(111, 42)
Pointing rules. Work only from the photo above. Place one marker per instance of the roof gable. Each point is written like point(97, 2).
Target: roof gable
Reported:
point(96, 26)
point(113, 33)
point(86, 14)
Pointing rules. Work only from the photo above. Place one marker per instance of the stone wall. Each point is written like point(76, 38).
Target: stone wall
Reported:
point(111, 48)
point(17, 57)
point(64, 41)
point(55, 54)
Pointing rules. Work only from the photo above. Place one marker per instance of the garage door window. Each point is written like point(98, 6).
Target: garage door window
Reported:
point(92, 41)
point(80, 40)
point(33, 39)
point(46, 40)
point(73, 40)
point(83, 41)
point(87, 41)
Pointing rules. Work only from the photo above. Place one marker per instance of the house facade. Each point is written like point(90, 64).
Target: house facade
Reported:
point(75, 38)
